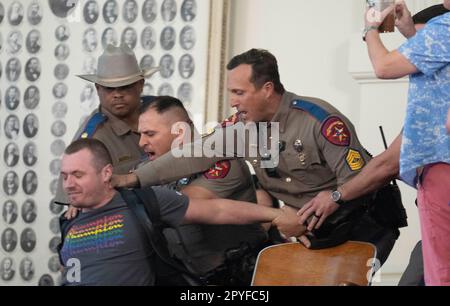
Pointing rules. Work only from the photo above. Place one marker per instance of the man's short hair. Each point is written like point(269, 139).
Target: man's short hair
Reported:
point(163, 104)
point(101, 156)
point(429, 13)
point(264, 68)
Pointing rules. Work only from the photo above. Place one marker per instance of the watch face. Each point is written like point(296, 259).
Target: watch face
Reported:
point(336, 196)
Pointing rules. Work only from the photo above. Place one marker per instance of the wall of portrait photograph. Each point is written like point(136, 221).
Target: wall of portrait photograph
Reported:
point(44, 44)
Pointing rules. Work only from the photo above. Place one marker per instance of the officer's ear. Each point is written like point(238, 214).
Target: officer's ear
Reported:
point(268, 89)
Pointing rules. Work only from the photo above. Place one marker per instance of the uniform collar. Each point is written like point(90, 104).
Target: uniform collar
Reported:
point(283, 110)
point(118, 126)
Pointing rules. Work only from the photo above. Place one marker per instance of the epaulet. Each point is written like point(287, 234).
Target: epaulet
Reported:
point(148, 99)
point(92, 125)
point(311, 108)
point(230, 121)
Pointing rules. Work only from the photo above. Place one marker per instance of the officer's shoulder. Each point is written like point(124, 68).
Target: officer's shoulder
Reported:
point(92, 124)
point(317, 108)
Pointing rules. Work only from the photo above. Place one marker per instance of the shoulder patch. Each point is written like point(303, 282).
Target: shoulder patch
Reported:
point(335, 131)
point(230, 121)
point(219, 171)
point(313, 109)
point(92, 125)
point(355, 160)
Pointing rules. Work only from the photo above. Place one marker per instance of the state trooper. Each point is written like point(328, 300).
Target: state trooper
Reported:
point(220, 254)
point(318, 150)
point(119, 82)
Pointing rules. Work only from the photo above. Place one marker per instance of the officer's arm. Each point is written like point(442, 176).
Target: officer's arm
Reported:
point(378, 172)
point(198, 192)
point(223, 211)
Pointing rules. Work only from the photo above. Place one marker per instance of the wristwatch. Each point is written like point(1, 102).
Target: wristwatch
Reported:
point(366, 30)
point(336, 197)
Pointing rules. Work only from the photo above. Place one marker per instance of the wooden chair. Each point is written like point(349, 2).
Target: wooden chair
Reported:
point(292, 264)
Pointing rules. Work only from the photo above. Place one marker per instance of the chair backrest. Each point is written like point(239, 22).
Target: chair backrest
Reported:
point(292, 264)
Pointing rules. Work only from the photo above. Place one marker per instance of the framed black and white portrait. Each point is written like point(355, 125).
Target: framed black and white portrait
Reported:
point(129, 37)
point(110, 11)
point(185, 92)
point(10, 183)
point(62, 8)
point(188, 10)
point(33, 69)
point(109, 37)
point(12, 98)
point(13, 69)
point(34, 13)
point(11, 154)
point(168, 38)
point(62, 52)
point(55, 208)
point(58, 128)
point(62, 32)
point(29, 211)
point(148, 90)
point(15, 13)
point(57, 147)
point(14, 42)
point(88, 99)
point(26, 269)
point(166, 89)
point(147, 62)
point(30, 182)
point(53, 244)
point(90, 41)
point(90, 12)
point(54, 225)
point(33, 41)
point(28, 240)
point(30, 125)
point(130, 11)
point(12, 127)
point(148, 38)
point(61, 71)
point(59, 110)
point(54, 186)
point(168, 10)
point(46, 280)
point(7, 269)
point(32, 97)
point(60, 90)
point(186, 66)
point(149, 11)
point(187, 38)
point(53, 264)
point(9, 212)
point(9, 240)
point(89, 65)
point(2, 12)
point(30, 154)
point(55, 167)
point(167, 66)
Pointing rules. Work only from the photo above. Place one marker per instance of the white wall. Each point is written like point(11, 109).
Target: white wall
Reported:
point(320, 53)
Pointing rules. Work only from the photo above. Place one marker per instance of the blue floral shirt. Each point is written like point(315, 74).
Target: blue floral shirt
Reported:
point(425, 138)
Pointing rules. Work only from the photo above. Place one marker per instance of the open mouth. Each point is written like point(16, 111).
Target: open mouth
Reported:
point(151, 155)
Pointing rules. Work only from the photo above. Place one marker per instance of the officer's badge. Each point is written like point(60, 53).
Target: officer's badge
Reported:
point(230, 121)
point(336, 132)
point(219, 171)
point(354, 160)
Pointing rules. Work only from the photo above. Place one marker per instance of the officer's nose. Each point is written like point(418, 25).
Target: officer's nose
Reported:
point(234, 103)
point(142, 142)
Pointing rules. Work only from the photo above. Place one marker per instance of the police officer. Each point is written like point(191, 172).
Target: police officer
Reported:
point(119, 82)
point(318, 150)
point(222, 254)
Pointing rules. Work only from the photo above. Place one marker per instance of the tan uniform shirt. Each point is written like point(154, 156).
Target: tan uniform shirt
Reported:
point(122, 143)
point(319, 151)
point(203, 247)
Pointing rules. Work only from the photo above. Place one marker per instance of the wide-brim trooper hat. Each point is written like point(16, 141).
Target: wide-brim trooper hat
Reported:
point(118, 67)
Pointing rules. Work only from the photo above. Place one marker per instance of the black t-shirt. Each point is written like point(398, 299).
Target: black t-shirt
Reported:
point(109, 246)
